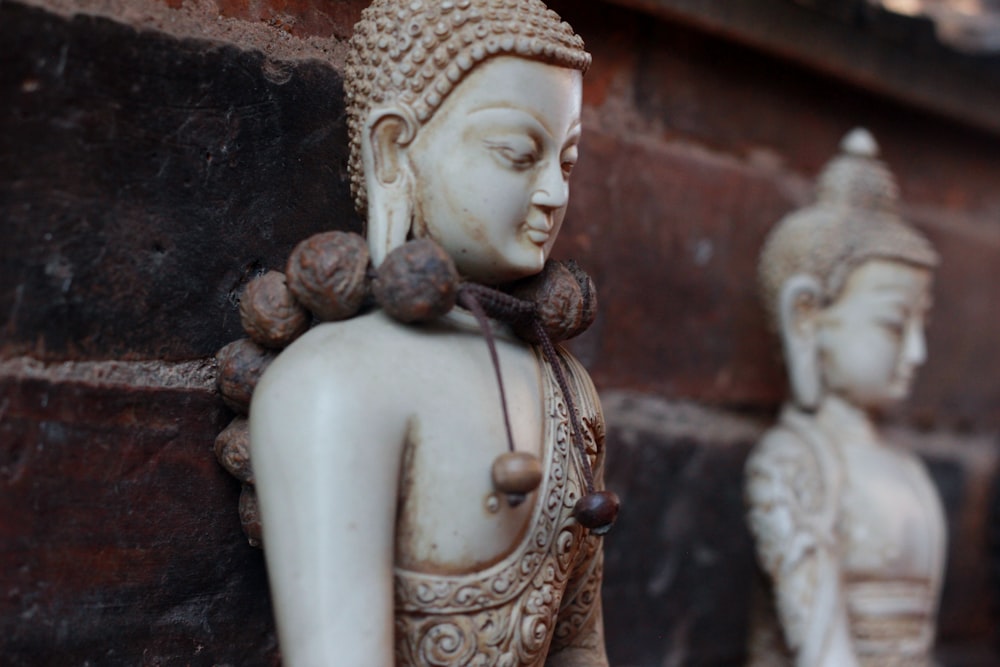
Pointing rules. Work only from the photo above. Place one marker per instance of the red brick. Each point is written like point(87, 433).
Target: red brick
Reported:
point(120, 540)
point(670, 234)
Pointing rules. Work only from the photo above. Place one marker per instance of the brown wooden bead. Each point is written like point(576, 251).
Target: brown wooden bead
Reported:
point(417, 282)
point(588, 294)
point(327, 273)
point(516, 473)
point(232, 449)
point(241, 363)
point(565, 301)
point(269, 312)
point(250, 515)
point(597, 511)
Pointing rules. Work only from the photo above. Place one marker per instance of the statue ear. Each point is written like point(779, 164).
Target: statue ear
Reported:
point(798, 314)
point(388, 179)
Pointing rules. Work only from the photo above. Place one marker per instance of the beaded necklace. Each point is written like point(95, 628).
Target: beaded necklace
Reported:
point(329, 278)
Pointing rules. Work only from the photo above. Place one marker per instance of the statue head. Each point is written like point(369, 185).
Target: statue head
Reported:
point(846, 283)
point(464, 118)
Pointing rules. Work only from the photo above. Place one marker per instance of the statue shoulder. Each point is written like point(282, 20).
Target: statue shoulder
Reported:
point(353, 351)
point(782, 448)
point(585, 396)
point(341, 377)
point(789, 467)
point(578, 376)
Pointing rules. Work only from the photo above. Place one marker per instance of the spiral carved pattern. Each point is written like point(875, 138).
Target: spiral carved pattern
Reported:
point(546, 587)
point(582, 595)
point(447, 644)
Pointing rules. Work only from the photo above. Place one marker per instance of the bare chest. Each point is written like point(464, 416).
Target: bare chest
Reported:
point(891, 516)
point(449, 519)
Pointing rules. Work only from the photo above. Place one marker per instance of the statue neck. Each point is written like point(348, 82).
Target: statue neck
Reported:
point(850, 424)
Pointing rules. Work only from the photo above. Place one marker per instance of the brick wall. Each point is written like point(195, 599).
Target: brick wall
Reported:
point(156, 155)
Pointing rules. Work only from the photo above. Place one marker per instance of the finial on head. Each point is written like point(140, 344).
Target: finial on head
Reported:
point(856, 217)
point(860, 142)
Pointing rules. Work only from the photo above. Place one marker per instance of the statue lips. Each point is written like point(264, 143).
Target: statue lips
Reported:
point(538, 230)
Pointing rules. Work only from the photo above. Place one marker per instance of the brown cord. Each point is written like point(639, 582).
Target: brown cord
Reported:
point(576, 431)
point(500, 305)
point(479, 300)
point(468, 300)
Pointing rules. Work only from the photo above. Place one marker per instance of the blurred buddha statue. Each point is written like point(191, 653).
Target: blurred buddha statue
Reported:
point(848, 528)
point(387, 541)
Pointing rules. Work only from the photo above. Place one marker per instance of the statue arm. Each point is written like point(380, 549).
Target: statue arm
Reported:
point(579, 634)
point(326, 461)
point(797, 548)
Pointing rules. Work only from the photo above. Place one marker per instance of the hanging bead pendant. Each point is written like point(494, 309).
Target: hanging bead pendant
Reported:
point(516, 474)
point(597, 511)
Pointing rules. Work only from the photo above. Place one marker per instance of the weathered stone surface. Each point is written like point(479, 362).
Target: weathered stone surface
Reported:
point(120, 541)
point(679, 561)
point(144, 179)
point(299, 17)
point(787, 119)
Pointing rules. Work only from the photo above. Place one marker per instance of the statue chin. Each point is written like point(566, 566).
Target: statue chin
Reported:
point(849, 530)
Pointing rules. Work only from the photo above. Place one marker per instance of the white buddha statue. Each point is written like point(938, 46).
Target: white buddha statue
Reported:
point(372, 441)
point(848, 527)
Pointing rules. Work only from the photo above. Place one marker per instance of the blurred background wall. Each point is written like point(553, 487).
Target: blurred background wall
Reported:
point(155, 155)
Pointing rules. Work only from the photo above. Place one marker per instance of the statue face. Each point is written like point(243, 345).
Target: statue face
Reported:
point(871, 340)
point(491, 168)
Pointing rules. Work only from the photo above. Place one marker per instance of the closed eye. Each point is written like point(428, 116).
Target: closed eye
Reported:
point(893, 326)
point(569, 158)
point(518, 154)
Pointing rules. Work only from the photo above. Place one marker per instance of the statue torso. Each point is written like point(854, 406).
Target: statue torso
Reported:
point(416, 410)
point(890, 516)
point(892, 532)
point(504, 611)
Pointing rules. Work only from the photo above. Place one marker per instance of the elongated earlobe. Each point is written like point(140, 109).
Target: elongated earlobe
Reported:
point(388, 179)
point(798, 313)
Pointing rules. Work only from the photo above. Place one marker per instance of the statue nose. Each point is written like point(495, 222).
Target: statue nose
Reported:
point(551, 189)
point(915, 344)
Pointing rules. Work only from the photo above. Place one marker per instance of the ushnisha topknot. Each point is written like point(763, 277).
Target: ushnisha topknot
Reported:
point(413, 53)
point(855, 218)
